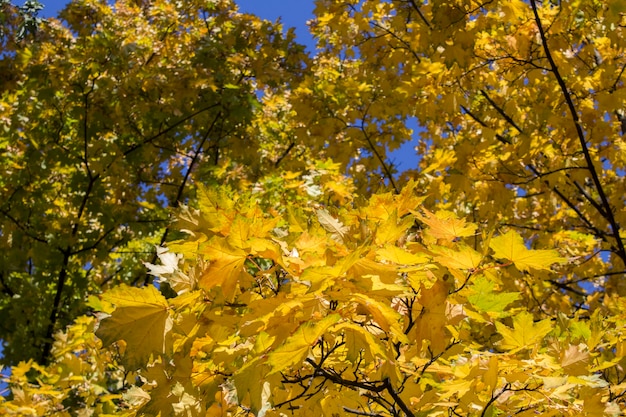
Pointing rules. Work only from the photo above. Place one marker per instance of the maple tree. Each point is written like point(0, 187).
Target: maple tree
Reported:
point(107, 120)
point(486, 281)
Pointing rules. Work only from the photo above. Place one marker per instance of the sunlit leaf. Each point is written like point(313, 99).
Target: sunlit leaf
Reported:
point(297, 346)
point(525, 333)
point(141, 319)
point(510, 246)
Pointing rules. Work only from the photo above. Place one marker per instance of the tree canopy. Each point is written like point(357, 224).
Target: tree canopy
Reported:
point(200, 218)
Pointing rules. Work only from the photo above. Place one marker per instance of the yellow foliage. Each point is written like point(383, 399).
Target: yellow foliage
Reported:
point(302, 274)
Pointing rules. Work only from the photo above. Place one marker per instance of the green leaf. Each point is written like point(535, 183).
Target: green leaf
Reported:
point(485, 300)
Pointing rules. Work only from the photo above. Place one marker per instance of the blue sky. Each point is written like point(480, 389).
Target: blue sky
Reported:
point(293, 13)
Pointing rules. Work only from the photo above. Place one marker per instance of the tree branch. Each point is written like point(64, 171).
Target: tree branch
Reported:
point(621, 251)
point(284, 154)
point(381, 160)
point(67, 254)
point(169, 128)
point(483, 124)
point(501, 111)
point(361, 413)
point(183, 184)
point(419, 12)
point(23, 228)
point(56, 307)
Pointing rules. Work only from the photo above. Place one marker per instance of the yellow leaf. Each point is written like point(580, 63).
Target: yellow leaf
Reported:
point(463, 257)
point(372, 284)
point(575, 360)
point(359, 339)
point(390, 231)
point(141, 318)
point(525, 334)
point(400, 256)
point(239, 232)
point(249, 381)
point(296, 347)
point(444, 225)
point(226, 267)
point(490, 377)
point(263, 342)
point(431, 323)
point(386, 317)
point(511, 246)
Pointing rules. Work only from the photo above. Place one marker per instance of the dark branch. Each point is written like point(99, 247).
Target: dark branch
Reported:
point(500, 110)
point(23, 228)
point(183, 184)
point(419, 12)
point(381, 160)
point(621, 251)
point(361, 413)
point(480, 122)
point(56, 307)
point(284, 155)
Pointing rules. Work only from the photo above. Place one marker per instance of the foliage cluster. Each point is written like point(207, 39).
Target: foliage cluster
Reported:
point(297, 272)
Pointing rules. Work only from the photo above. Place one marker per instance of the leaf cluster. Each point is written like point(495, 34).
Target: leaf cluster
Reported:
point(486, 280)
point(380, 309)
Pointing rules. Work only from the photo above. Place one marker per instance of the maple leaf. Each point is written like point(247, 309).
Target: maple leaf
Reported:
point(330, 224)
point(575, 360)
point(358, 340)
point(141, 318)
point(297, 346)
point(511, 246)
point(445, 225)
point(459, 257)
point(226, 266)
point(525, 334)
point(431, 324)
point(386, 317)
point(484, 299)
point(168, 271)
point(391, 230)
point(401, 256)
point(249, 381)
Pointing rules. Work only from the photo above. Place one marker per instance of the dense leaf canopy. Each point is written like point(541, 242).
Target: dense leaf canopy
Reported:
point(295, 270)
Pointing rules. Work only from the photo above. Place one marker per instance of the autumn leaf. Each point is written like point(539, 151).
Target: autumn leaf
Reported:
point(226, 266)
point(430, 328)
point(297, 346)
point(169, 271)
point(401, 256)
point(511, 246)
point(525, 334)
point(358, 340)
point(460, 257)
point(332, 225)
point(445, 225)
point(485, 299)
point(141, 318)
point(385, 317)
point(392, 228)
